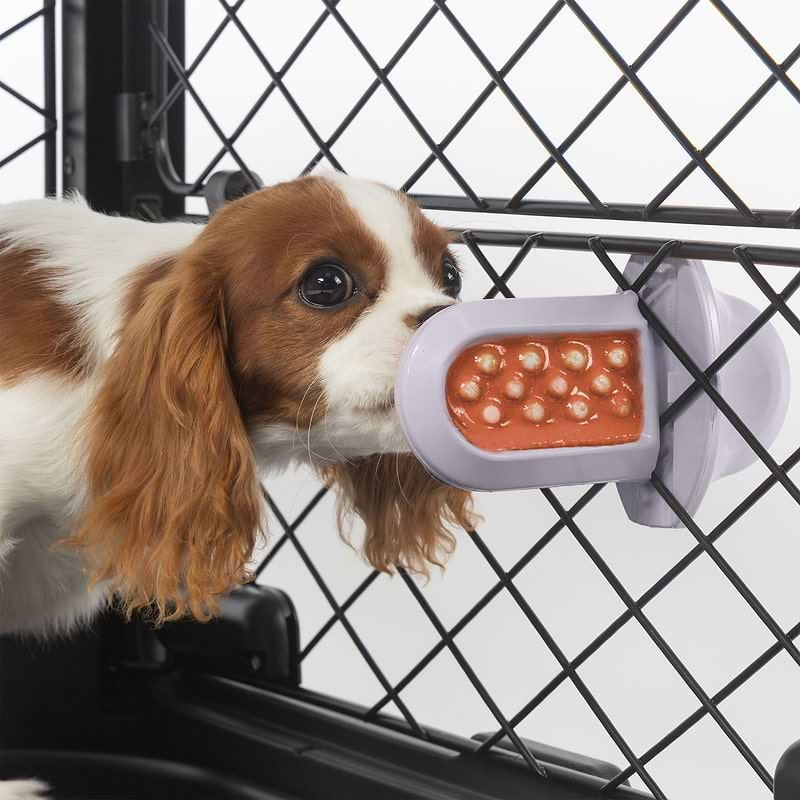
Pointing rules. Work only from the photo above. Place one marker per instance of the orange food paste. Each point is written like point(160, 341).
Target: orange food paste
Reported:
point(526, 393)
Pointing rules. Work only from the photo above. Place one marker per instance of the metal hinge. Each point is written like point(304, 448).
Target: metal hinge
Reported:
point(131, 112)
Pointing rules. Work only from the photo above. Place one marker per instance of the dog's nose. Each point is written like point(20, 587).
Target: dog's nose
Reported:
point(428, 313)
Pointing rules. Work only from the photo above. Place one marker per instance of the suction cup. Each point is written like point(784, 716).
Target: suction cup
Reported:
point(700, 445)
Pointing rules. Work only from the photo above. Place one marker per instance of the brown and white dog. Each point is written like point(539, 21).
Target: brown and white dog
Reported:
point(150, 372)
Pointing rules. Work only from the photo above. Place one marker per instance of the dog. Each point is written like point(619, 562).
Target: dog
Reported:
point(152, 373)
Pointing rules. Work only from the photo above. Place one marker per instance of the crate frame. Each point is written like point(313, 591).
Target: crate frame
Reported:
point(133, 163)
point(174, 81)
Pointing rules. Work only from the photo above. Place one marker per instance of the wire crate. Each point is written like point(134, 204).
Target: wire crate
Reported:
point(149, 132)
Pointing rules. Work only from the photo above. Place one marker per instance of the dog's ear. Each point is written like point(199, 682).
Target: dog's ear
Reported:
point(407, 514)
point(174, 505)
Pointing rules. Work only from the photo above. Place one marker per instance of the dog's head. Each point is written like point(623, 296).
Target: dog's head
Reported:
point(326, 279)
point(273, 337)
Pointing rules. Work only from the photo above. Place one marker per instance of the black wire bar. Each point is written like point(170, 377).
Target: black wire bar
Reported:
point(173, 182)
point(356, 639)
point(634, 608)
point(572, 673)
point(726, 691)
point(604, 102)
point(746, 257)
point(659, 641)
point(47, 13)
point(652, 592)
point(750, 258)
point(403, 106)
point(373, 87)
point(473, 612)
point(275, 549)
point(708, 387)
point(740, 213)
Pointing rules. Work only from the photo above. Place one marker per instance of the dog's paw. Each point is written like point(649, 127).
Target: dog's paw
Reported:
point(28, 789)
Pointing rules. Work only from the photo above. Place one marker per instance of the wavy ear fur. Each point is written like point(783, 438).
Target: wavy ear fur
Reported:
point(175, 506)
point(406, 512)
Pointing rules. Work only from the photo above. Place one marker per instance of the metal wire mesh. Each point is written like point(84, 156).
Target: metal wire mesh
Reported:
point(740, 212)
point(567, 524)
point(46, 108)
point(477, 243)
point(570, 519)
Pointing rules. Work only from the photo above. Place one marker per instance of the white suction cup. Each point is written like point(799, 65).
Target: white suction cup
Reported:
point(700, 445)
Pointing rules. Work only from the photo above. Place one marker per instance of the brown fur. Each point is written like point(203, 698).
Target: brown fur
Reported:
point(38, 333)
point(407, 514)
point(215, 341)
point(176, 506)
point(279, 234)
point(430, 240)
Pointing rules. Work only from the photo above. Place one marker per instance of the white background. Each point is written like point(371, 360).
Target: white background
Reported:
point(701, 76)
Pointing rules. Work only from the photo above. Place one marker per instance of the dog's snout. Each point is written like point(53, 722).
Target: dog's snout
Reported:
point(428, 313)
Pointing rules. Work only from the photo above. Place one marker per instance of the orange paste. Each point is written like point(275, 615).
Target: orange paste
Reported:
point(525, 393)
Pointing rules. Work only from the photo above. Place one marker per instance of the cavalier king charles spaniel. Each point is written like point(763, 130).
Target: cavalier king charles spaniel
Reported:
point(150, 373)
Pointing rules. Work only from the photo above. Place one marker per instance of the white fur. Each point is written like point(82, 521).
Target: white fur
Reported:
point(94, 256)
point(41, 489)
point(337, 436)
point(358, 369)
point(25, 789)
point(41, 492)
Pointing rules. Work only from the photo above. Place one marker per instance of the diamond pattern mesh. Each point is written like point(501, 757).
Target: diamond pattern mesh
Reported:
point(570, 521)
point(506, 259)
point(34, 115)
point(505, 82)
point(557, 553)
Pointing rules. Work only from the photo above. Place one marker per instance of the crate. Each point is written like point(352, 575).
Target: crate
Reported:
point(135, 77)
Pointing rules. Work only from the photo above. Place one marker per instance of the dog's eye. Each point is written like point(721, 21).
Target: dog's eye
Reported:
point(451, 277)
point(327, 285)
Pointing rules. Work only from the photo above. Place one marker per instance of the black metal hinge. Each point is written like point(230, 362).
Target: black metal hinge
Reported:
point(131, 113)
